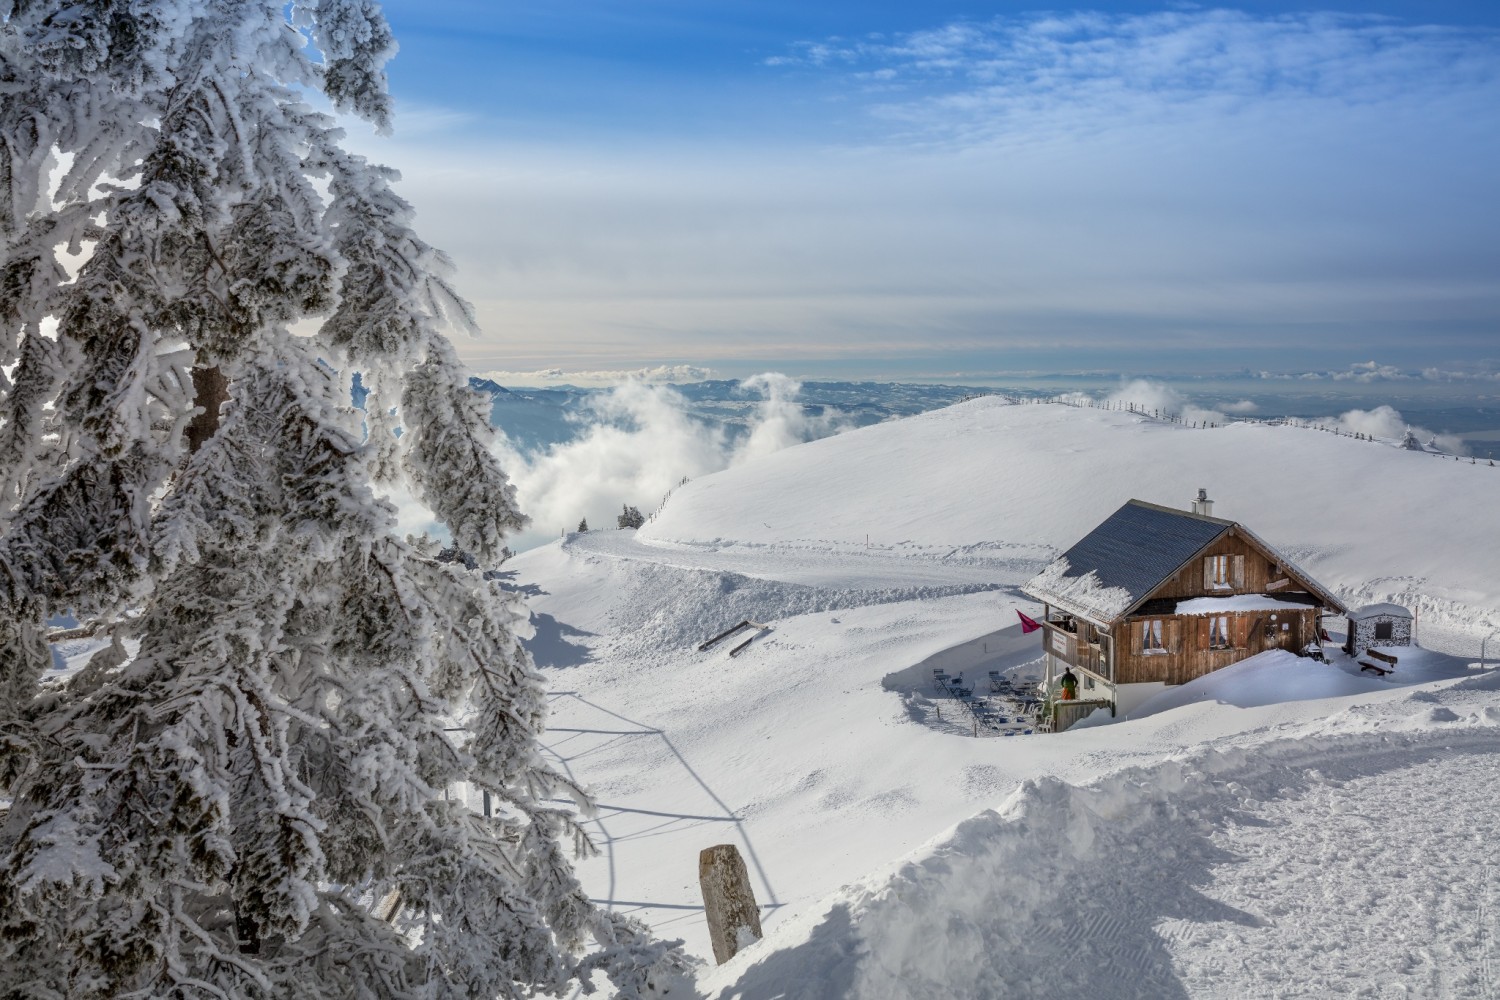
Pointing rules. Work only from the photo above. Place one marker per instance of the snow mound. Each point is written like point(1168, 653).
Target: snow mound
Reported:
point(1264, 679)
point(1130, 886)
point(1277, 676)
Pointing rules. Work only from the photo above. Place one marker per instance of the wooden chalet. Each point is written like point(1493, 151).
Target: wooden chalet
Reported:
point(1156, 596)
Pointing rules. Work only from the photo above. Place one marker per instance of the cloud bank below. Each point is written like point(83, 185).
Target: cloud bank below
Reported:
point(640, 441)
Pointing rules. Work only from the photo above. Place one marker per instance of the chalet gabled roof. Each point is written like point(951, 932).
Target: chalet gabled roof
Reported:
point(1131, 554)
point(1118, 564)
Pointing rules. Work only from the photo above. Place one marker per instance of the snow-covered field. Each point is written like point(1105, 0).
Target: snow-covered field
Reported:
point(1282, 828)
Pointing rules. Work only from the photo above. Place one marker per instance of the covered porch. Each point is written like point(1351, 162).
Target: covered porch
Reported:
point(1072, 643)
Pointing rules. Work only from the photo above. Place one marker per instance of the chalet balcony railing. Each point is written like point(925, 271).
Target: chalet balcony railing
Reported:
point(1072, 646)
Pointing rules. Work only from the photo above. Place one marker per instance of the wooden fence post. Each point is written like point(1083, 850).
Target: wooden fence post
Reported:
point(728, 900)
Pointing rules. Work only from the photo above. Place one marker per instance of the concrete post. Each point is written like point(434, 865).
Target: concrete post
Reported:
point(728, 900)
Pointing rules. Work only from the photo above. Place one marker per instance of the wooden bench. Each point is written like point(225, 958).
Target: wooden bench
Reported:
point(1386, 665)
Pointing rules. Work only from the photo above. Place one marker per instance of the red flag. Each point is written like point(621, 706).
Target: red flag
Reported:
point(1028, 625)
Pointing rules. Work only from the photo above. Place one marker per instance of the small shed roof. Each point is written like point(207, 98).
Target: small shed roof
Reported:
point(1379, 611)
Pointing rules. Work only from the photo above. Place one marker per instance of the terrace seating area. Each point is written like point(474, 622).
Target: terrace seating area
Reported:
point(1000, 707)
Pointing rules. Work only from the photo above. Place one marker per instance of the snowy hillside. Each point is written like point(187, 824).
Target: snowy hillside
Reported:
point(815, 751)
point(1369, 520)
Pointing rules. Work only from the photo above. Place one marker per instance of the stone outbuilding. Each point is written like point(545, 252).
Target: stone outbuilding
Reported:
point(1378, 625)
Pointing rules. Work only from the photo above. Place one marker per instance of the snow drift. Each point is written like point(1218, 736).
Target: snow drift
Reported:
point(1065, 890)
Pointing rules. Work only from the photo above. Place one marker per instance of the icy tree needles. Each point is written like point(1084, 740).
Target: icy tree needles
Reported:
point(243, 794)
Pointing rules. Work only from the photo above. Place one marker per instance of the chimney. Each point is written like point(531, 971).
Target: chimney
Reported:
point(1202, 504)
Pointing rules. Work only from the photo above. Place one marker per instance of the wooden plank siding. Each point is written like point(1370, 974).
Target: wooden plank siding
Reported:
point(1188, 653)
point(1255, 576)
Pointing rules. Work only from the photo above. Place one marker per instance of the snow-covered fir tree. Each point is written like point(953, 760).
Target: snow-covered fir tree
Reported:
point(629, 517)
point(245, 792)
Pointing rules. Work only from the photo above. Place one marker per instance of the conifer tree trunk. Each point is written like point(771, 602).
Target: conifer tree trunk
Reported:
point(210, 392)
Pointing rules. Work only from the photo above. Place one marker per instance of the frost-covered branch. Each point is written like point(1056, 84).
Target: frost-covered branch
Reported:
point(268, 725)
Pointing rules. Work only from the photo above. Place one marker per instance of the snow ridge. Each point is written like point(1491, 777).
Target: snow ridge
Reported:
point(667, 608)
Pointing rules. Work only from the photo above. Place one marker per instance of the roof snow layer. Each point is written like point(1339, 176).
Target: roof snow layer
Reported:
point(1382, 610)
point(1132, 552)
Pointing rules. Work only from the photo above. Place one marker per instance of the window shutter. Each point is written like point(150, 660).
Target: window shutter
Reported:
point(1208, 573)
point(1137, 640)
point(1239, 631)
point(1205, 636)
point(1174, 635)
point(1239, 572)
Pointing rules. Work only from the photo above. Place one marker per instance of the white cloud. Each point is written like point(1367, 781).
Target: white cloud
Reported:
point(1045, 73)
point(641, 441)
point(1386, 423)
point(780, 420)
point(1370, 371)
point(1158, 397)
point(1374, 371)
point(1240, 407)
point(1464, 375)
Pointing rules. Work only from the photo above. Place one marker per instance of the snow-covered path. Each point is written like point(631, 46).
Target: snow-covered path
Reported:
point(1355, 864)
point(1378, 880)
point(822, 563)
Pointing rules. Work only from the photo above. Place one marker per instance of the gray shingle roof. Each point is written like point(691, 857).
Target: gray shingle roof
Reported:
point(1135, 550)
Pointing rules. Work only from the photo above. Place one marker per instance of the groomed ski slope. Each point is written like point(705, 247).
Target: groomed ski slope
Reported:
point(796, 750)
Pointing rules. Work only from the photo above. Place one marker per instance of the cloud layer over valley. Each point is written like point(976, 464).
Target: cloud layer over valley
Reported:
point(639, 440)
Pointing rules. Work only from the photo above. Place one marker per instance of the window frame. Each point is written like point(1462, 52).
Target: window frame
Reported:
point(1219, 572)
point(1219, 634)
point(1153, 637)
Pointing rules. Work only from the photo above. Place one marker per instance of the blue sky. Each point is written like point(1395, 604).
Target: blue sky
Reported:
point(889, 189)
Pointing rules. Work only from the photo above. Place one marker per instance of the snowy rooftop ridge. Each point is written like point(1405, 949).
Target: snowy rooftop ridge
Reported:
point(1235, 602)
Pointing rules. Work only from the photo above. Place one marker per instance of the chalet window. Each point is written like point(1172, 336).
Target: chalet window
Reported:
point(1383, 630)
point(1151, 637)
point(1217, 572)
point(1218, 632)
point(1223, 572)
